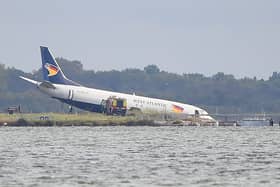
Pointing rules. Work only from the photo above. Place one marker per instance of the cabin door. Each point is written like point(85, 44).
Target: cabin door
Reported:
point(71, 95)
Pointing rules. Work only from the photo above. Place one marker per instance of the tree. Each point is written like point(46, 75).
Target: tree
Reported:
point(221, 91)
point(151, 69)
point(275, 76)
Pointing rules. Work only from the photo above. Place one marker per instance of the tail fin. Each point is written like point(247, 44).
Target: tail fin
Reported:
point(51, 70)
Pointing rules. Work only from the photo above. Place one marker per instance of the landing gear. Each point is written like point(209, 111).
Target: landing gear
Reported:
point(70, 109)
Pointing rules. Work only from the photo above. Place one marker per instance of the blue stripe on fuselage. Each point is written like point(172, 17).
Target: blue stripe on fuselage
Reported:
point(82, 105)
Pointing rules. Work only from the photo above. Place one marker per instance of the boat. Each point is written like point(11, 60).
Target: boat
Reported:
point(256, 121)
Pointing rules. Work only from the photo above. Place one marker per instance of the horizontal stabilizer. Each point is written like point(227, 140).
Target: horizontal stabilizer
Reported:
point(47, 85)
point(29, 80)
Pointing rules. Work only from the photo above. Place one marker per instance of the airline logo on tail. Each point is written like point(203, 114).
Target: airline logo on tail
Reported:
point(52, 70)
point(177, 109)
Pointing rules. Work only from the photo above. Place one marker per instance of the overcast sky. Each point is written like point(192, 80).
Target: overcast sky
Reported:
point(240, 37)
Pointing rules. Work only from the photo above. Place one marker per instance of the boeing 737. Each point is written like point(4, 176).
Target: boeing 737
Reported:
point(58, 86)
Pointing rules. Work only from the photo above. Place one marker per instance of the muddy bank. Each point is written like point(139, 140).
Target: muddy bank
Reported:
point(51, 123)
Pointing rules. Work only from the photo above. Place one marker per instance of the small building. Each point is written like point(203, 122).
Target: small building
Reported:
point(13, 109)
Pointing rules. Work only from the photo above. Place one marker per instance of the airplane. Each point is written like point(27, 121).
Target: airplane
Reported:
point(58, 86)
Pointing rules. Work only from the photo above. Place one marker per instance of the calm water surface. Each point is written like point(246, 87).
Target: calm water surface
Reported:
point(140, 156)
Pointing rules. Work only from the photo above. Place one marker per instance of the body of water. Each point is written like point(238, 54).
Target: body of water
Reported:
point(140, 156)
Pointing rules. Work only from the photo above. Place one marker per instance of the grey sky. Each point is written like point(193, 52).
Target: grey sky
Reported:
point(240, 37)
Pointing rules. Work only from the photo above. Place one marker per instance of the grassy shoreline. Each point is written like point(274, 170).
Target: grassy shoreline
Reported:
point(59, 119)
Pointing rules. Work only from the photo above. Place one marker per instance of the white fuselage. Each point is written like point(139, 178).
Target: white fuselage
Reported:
point(145, 104)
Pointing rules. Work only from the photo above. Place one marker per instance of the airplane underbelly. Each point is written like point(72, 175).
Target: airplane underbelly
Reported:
point(84, 97)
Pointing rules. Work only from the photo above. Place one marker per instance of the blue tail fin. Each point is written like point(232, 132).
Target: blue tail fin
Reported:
point(51, 70)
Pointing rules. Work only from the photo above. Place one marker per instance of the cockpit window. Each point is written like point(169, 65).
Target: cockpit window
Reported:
point(203, 112)
point(196, 112)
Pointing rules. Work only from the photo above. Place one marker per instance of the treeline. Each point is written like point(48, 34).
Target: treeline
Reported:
point(219, 93)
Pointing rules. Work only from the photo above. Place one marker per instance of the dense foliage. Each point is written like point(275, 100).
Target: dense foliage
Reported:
point(220, 92)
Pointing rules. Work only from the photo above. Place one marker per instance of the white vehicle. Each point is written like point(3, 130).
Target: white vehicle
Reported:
point(58, 86)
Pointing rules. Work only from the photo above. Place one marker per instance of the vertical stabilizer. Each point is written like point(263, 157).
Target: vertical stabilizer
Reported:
point(51, 70)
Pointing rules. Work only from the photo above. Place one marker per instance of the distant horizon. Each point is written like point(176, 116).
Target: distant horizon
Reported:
point(142, 68)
